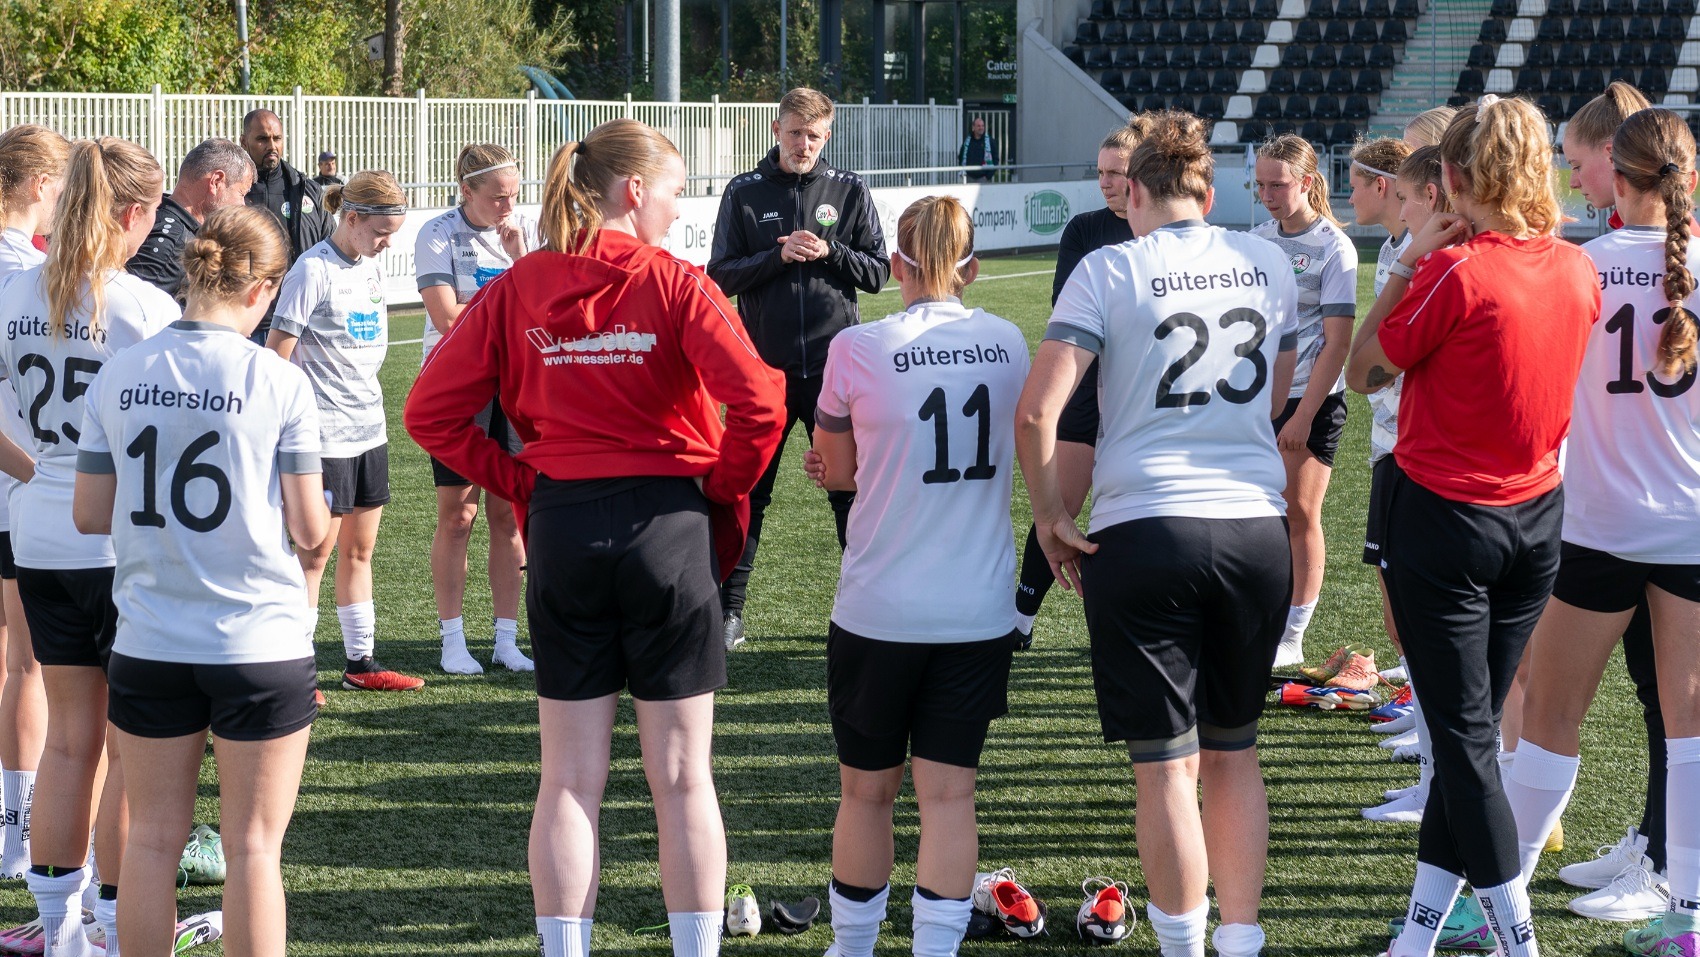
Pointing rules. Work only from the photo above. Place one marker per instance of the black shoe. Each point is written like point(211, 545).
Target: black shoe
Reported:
point(732, 629)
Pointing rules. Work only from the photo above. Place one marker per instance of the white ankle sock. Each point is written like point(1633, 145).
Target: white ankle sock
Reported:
point(1179, 935)
point(1538, 788)
point(359, 629)
point(106, 912)
point(564, 936)
point(856, 924)
point(1238, 940)
point(19, 788)
point(1298, 619)
point(456, 659)
point(1024, 623)
point(695, 933)
point(1432, 894)
point(56, 898)
point(938, 925)
point(507, 629)
point(1682, 848)
point(1507, 910)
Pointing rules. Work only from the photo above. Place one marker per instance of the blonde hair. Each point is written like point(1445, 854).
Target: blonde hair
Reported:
point(1429, 126)
point(104, 178)
point(1127, 138)
point(1300, 156)
point(1594, 124)
point(1174, 160)
point(936, 239)
point(1501, 150)
point(1422, 167)
point(237, 247)
point(1379, 157)
point(806, 104)
point(1654, 151)
point(581, 172)
point(478, 161)
point(28, 151)
point(373, 192)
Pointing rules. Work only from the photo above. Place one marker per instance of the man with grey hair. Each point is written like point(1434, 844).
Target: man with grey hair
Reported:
point(215, 174)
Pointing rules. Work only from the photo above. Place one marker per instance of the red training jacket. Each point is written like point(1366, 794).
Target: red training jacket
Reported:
point(608, 364)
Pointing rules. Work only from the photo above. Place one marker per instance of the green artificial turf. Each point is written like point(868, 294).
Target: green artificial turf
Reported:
point(410, 835)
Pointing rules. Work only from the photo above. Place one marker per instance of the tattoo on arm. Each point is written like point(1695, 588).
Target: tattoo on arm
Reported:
point(1378, 377)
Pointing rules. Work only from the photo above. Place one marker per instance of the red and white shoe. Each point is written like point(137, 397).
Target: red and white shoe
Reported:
point(1104, 916)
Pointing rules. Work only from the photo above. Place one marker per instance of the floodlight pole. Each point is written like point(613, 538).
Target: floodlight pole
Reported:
point(667, 59)
point(784, 69)
point(242, 35)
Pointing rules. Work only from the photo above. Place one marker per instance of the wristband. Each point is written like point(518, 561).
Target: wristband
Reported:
point(1397, 268)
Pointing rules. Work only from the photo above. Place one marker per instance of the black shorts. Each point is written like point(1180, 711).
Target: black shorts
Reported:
point(1375, 527)
point(1601, 582)
point(251, 702)
point(1080, 419)
point(70, 614)
point(359, 482)
point(493, 423)
point(1325, 429)
point(1184, 616)
point(621, 590)
point(8, 567)
point(891, 699)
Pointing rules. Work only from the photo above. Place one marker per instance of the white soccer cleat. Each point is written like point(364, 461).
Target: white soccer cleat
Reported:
point(1635, 894)
point(981, 898)
point(1407, 808)
point(1404, 724)
point(1407, 754)
point(1104, 916)
point(1608, 863)
point(743, 917)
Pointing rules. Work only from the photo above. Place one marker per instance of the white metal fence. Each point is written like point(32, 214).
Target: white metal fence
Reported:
point(417, 139)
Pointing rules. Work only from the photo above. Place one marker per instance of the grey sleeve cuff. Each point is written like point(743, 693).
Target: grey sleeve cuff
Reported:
point(288, 326)
point(96, 463)
point(836, 424)
point(1289, 341)
point(1340, 309)
point(298, 463)
point(429, 279)
point(1075, 336)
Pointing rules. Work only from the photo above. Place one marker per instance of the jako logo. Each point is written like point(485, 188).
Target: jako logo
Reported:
point(617, 341)
point(1047, 211)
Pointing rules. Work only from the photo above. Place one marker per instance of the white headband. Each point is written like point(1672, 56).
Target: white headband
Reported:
point(965, 260)
point(1373, 171)
point(489, 169)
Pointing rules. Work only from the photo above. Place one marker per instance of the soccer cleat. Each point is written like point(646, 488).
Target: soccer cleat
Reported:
point(367, 675)
point(1104, 915)
point(1295, 694)
point(1555, 840)
point(1465, 927)
point(743, 916)
point(203, 858)
point(1636, 893)
point(1608, 863)
point(1396, 708)
point(1407, 754)
point(732, 631)
point(1404, 724)
point(1655, 940)
point(1022, 914)
point(197, 930)
point(1404, 809)
point(1328, 669)
point(981, 897)
point(1357, 674)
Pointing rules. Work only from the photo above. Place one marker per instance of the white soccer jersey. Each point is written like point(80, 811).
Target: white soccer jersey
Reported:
point(1324, 264)
point(198, 424)
point(1186, 323)
point(51, 376)
point(335, 306)
point(1384, 405)
point(1632, 463)
point(452, 252)
point(17, 254)
point(929, 395)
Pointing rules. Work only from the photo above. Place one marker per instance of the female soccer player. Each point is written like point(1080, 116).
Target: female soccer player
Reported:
point(454, 256)
point(32, 175)
point(198, 452)
point(65, 319)
point(332, 322)
point(1426, 128)
point(1309, 427)
point(612, 360)
point(916, 677)
point(1186, 575)
point(1473, 509)
point(1631, 514)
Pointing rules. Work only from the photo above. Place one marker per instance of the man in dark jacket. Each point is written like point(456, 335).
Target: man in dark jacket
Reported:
point(979, 149)
point(794, 241)
point(296, 201)
point(215, 174)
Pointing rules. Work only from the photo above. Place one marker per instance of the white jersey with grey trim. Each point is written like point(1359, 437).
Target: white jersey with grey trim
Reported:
point(1384, 405)
point(52, 376)
point(929, 395)
point(1324, 264)
point(17, 254)
point(335, 306)
point(452, 252)
point(1186, 323)
point(198, 424)
point(1632, 462)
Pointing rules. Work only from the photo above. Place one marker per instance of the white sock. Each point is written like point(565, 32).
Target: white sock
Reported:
point(938, 925)
point(507, 629)
point(695, 933)
point(507, 653)
point(56, 898)
point(359, 629)
point(456, 659)
point(1179, 935)
point(856, 924)
point(1298, 619)
point(1506, 760)
point(1682, 848)
point(1425, 746)
point(1238, 940)
point(1538, 788)
point(1024, 623)
point(106, 912)
point(1432, 894)
point(19, 789)
point(1507, 910)
point(564, 936)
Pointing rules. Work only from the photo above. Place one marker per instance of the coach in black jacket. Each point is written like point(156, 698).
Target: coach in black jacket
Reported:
point(794, 241)
point(296, 201)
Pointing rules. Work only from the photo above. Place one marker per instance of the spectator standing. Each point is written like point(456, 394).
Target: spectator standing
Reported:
point(215, 175)
point(297, 201)
point(327, 170)
point(979, 149)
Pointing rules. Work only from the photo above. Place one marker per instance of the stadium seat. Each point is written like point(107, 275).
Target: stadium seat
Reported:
point(1211, 106)
point(1183, 58)
point(1369, 82)
point(1590, 8)
point(1237, 10)
point(1295, 57)
point(1127, 10)
point(1510, 56)
point(1197, 33)
point(1662, 54)
point(1621, 72)
point(1103, 10)
point(1470, 82)
point(1254, 131)
point(1182, 104)
point(1139, 81)
point(1076, 55)
point(1640, 28)
point(1315, 131)
point(1337, 33)
point(1364, 32)
point(1528, 81)
point(1577, 101)
point(1689, 55)
point(1324, 57)
point(1086, 33)
point(1552, 106)
point(1310, 82)
point(1520, 30)
point(1113, 32)
point(1297, 108)
point(1581, 30)
point(1550, 31)
point(1224, 83)
point(1498, 81)
point(1538, 56)
point(1281, 81)
point(1603, 55)
point(1210, 57)
point(1283, 127)
point(1672, 29)
point(1611, 30)
point(1675, 99)
point(1320, 9)
point(1209, 10)
point(1654, 80)
point(1481, 57)
point(1381, 56)
point(1169, 33)
point(1684, 79)
point(1129, 102)
point(1561, 8)
point(1154, 57)
point(1141, 33)
point(1406, 9)
point(1308, 31)
point(1348, 9)
point(1111, 81)
point(1532, 8)
point(1168, 82)
point(1268, 107)
point(1265, 9)
point(1154, 10)
point(1355, 107)
point(1505, 9)
point(1239, 108)
point(1352, 57)
point(1224, 33)
point(1650, 8)
point(1197, 81)
point(1267, 57)
point(1124, 58)
point(1224, 134)
point(1326, 107)
point(1572, 55)
point(1395, 32)
point(1253, 82)
point(1340, 82)
point(1620, 8)
point(1253, 33)
point(1378, 9)
point(1153, 103)
point(1280, 32)
point(1682, 8)
point(1561, 81)
point(1590, 82)
point(1492, 32)
point(1632, 54)
point(1098, 58)
point(1343, 132)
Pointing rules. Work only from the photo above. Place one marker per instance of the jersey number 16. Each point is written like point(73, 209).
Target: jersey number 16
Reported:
point(145, 446)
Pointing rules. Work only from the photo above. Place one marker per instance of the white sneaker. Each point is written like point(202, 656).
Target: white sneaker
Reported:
point(1609, 861)
point(1399, 740)
point(1396, 675)
point(1404, 809)
point(1636, 894)
point(1291, 652)
point(981, 898)
point(1404, 724)
point(1407, 754)
point(743, 917)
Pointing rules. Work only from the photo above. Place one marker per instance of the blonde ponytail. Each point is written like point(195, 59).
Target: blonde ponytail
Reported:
point(104, 178)
point(581, 173)
point(935, 238)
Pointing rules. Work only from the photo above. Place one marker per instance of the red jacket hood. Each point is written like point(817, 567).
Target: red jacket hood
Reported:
point(573, 294)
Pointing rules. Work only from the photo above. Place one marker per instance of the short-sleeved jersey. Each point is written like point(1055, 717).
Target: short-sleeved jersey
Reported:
point(17, 254)
point(929, 395)
point(51, 376)
point(452, 252)
point(1384, 405)
point(1324, 264)
point(1186, 323)
point(335, 307)
point(1632, 463)
point(198, 423)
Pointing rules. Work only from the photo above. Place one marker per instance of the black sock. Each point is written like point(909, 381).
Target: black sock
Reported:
point(48, 870)
point(851, 892)
point(1036, 577)
point(935, 895)
point(109, 892)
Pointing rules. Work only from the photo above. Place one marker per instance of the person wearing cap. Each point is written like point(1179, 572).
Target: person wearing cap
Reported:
point(327, 170)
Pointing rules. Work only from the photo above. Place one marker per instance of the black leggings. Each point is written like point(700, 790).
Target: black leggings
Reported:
point(1638, 657)
point(1467, 584)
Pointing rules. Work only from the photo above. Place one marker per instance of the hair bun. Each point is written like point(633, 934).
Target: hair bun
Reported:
point(204, 258)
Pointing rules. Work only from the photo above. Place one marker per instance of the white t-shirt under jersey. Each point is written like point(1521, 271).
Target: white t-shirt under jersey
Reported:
point(1632, 463)
point(17, 254)
point(51, 376)
point(452, 252)
point(929, 395)
point(198, 424)
point(1324, 264)
point(335, 305)
point(1186, 323)
point(1384, 405)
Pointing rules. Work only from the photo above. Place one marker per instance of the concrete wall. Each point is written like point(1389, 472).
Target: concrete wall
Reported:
point(1061, 113)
